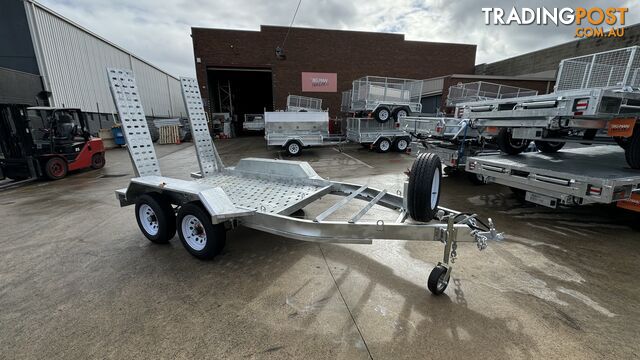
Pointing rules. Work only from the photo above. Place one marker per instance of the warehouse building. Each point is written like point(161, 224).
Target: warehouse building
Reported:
point(544, 62)
point(46, 59)
point(249, 71)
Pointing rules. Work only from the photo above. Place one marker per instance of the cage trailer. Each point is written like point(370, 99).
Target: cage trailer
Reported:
point(596, 94)
point(383, 98)
point(576, 176)
point(263, 194)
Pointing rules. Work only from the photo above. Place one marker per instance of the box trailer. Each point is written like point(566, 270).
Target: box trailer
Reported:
point(384, 98)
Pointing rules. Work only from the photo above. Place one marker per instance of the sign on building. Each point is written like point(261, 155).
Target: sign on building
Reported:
point(319, 82)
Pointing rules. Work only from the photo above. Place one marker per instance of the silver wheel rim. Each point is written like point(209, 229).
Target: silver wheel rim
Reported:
point(148, 219)
point(193, 232)
point(442, 282)
point(294, 148)
point(384, 145)
point(383, 114)
point(435, 188)
point(402, 144)
point(402, 113)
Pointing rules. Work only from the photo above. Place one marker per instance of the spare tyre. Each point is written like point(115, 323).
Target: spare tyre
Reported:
point(423, 194)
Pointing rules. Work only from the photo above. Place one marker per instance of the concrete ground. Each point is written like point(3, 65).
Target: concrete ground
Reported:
point(78, 280)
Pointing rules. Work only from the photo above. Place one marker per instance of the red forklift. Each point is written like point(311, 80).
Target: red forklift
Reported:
point(46, 142)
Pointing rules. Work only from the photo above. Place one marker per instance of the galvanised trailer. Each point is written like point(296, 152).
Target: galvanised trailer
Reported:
point(594, 94)
point(383, 137)
point(384, 98)
point(263, 194)
point(452, 139)
point(576, 176)
point(294, 131)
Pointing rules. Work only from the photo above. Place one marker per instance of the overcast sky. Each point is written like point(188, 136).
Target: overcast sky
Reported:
point(158, 30)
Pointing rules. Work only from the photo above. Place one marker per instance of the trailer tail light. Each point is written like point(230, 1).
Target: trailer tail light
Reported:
point(439, 129)
point(581, 105)
point(594, 190)
point(633, 203)
point(398, 125)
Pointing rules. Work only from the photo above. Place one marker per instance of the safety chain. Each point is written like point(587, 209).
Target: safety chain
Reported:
point(454, 253)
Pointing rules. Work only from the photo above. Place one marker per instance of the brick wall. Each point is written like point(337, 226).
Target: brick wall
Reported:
point(350, 54)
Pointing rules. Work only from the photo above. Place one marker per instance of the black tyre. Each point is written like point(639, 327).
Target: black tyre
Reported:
point(549, 146)
point(400, 144)
point(383, 145)
point(156, 218)
point(198, 235)
point(438, 280)
point(382, 114)
point(399, 112)
point(519, 194)
point(293, 148)
point(632, 152)
point(424, 187)
point(56, 168)
point(508, 144)
point(97, 161)
point(476, 179)
point(622, 141)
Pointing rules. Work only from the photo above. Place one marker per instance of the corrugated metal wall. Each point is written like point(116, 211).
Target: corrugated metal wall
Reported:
point(73, 62)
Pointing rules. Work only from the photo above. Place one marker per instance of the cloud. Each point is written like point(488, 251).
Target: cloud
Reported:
point(159, 30)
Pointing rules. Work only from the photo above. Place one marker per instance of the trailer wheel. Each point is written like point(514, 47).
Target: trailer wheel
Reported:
point(476, 179)
point(508, 144)
point(293, 148)
point(423, 194)
point(199, 236)
point(383, 145)
point(382, 114)
point(623, 142)
point(56, 168)
point(632, 152)
point(438, 280)
point(399, 112)
point(156, 218)
point(549, 146)
point(400, 144)
point(97, 161)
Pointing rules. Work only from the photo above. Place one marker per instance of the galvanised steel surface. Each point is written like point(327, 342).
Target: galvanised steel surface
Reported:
point(134, 123)
point(263, 193)
point(370, 92)
point(369, 130)
point(596, 174)
point(208, 157)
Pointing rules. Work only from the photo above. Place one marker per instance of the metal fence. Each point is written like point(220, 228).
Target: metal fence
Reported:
point(370, 90)
point(482, 90)
point(615, 68)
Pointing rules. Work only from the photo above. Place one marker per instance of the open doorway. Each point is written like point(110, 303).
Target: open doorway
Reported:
point(240, 91)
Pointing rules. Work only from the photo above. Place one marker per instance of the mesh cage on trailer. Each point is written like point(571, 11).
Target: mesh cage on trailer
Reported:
point(615, 68)
point(482, 90)
point(297, 103)
point(369, 91)
point(345, 105)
